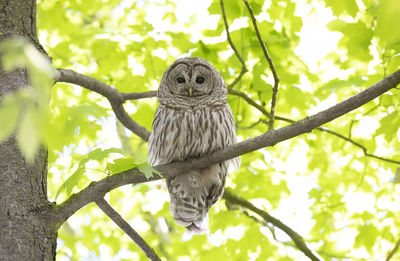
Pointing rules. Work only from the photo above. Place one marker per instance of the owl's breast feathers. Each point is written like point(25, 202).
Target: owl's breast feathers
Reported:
point(180, 134)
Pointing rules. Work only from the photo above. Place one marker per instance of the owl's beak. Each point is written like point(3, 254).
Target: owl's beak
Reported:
point(190, 91)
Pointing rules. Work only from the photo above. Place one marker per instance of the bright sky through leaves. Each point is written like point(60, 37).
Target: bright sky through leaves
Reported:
point(343, 203)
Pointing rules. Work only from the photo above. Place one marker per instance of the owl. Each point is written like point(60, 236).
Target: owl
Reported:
point(193, 119)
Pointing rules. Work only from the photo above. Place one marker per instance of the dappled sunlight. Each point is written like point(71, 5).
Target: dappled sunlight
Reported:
point(335, 186)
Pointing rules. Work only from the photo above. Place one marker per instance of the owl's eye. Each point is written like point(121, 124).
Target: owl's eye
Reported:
point(180, 80)
point(200, 80)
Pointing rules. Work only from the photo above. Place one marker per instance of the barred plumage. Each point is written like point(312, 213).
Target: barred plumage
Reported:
point(193, 119)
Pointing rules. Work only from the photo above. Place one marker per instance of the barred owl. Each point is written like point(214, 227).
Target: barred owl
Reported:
point(193, 119)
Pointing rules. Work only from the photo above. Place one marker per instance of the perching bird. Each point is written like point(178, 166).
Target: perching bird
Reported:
point(193, 119)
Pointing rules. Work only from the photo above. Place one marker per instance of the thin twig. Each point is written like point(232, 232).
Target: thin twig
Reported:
point(297, 239)
point(252, 125)
point(271, 65)
point(381, 158)
point(237, 79)
point(228, 35)
point(250, 101)
point(394, 250)
point(111, 213)
point(262, 221)
point(363, 148)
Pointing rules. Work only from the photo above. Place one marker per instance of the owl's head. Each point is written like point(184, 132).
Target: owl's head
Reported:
point(192, 79)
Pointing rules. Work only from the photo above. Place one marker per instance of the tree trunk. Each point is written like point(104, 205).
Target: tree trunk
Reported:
point(26, 230)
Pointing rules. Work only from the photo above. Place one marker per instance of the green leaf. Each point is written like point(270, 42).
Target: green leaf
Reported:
point(389, 125)
point(41, 73)
point(337, 25)
point(9, 113)
point(139, 158)
point(148, 171)
point(335, 85)
point(97, 155)
point(215, 7)
point(20, 53)
point(385, 29)
point(12, 54)
point(100, 154)
point(144, 114)
point(356, 38)
point(71, 182)
point(389, 99)
point(367, 236)
point(181, 41)
point(28, 134)
point(120, 165)
point(340, 6)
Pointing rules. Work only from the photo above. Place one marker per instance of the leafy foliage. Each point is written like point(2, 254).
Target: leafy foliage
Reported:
point(343, 202)
point(33, 101)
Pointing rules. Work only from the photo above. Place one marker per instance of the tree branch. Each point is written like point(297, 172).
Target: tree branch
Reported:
point(111, 213)
point(271, 65)
point(115, 98)
point(96, 189)
point(228, 35)
point(138, 95)
point(321, 128)
point(252, 125)
point(297, 239)
point(107, 91)
point(393, 251)
point(250, 101)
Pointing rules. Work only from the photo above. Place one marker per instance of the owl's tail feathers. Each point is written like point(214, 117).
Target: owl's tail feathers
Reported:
point(188, 201)
point(195, 220)
point(199, 228)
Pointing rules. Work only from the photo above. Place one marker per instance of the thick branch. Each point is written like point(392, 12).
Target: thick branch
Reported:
point(103, 89)
point(297, 239)
point(272, 137)
point(271, 65)
point(115, 98)
point(111, 213)
point(306, 125)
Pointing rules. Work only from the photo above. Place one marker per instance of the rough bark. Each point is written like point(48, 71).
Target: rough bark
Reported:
point(26, 232)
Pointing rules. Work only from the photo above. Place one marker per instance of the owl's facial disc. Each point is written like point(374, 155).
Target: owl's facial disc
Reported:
point(190, 80)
